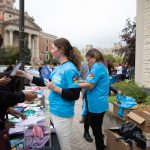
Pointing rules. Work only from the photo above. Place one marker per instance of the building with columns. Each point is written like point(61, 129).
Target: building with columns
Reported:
point(9, 30)
point(142, 65)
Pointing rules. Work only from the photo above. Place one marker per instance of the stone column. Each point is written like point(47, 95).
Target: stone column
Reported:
point(32, 50)
point(37, 47)
point(10, 37)
point(29, 41)
point(32, 43)
point(6, 43)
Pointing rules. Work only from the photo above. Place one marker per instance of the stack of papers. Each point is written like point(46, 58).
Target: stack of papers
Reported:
point(30, 121)
point(16, 130)
point(19, 127)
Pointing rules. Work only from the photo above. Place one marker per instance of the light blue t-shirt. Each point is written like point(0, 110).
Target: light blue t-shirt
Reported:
point(64, 76)
point(98, 96)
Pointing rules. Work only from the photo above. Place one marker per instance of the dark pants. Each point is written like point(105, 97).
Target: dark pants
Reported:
point(95, 121)
point(86, 124)
point(123, 77)
point(113, 90)
point(119, 77)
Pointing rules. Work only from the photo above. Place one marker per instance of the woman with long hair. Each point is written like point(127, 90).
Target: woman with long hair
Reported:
point(64, 88)
point(96, 99)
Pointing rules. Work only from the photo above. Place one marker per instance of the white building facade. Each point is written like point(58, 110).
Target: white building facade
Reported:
point(142, 65)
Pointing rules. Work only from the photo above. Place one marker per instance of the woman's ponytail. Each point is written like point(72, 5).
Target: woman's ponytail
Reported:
point(75, 57)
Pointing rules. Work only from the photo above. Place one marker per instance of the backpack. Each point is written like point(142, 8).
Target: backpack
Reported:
point(130, 132)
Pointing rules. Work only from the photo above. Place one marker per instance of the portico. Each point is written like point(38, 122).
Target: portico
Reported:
point(38, 41)
point(11, 38)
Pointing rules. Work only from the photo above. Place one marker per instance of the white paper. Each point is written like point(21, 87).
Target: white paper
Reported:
point(17, 129)
point(30, 120)
point(16, 68)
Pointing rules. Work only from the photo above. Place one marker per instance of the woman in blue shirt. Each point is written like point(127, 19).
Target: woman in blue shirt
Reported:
point(64, 88)
point(97, 85)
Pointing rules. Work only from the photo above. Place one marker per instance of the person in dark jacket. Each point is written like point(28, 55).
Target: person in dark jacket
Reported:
point(9, 99)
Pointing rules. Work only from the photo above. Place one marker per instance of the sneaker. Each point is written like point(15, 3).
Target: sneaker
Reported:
point(87, 137)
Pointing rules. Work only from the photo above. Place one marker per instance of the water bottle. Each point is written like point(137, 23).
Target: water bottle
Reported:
point(47, 123)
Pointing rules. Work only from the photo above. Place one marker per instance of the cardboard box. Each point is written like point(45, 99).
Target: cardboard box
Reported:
point(115, 111)
point(118, 144)
point(141, 118)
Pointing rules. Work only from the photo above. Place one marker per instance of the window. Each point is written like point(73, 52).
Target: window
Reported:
point(47, 57)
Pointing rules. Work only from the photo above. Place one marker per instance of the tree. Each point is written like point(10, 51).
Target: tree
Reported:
point(51, 61)
point(115, 59)
point(9, 55)
point(128, 35)
point(1, 41)
point(3, 56)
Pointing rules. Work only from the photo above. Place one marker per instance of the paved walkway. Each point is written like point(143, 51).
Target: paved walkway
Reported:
point(77, 140)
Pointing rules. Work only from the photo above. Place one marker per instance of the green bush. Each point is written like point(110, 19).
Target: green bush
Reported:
point(115, 59)
point(112, 99)
point(147, 100)
point(131, 89)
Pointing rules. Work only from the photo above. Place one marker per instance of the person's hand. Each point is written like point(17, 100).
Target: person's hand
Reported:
point(29, 95)
point(49, 85)
point(53, 87)
point(4, 80)
point(16, 113)
point(20, 73)
point(8, 124)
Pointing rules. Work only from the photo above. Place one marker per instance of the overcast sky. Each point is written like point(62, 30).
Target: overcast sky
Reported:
point(97, 22)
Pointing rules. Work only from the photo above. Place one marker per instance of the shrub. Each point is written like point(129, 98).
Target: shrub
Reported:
point(147, 100)
point(112, 99)
point(143, 107)
point(131, 89)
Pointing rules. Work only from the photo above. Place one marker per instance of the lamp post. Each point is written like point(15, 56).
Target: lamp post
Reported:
point(21, 38)
point(21, 31)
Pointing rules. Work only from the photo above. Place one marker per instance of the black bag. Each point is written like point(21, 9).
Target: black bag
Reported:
point(140, 139)
point(4, 140)
point(129, 131)
point(126, 130)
